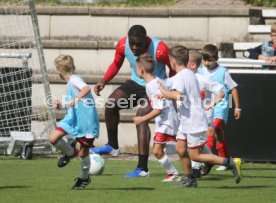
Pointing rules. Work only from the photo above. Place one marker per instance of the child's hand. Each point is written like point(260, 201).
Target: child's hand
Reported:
point(237, 114)
point(57, 104)
point(74, 102)
point(161, 86)
point(137, 120)
point(207, 107)
point(159, 96)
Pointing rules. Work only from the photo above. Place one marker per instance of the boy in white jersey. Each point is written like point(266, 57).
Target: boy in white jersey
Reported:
point(193, 121)
point(211, 93)
point(212, 70)
point(164, 113)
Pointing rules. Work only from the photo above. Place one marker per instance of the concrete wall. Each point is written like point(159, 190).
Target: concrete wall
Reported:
point(194, 27)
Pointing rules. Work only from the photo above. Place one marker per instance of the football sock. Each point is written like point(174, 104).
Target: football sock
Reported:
point(143, 162)
point(170, 148)
point(113, 137)
point(167, 164)
point(210, 142)
point(222, 149)
point(65, 147)
point(226, 162)
point(196, 165)
point(85, 166)
point(191, 176)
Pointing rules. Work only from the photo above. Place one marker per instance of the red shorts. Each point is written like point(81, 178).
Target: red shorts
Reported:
point(218, 124)
point(85, 142)
point(163, 138)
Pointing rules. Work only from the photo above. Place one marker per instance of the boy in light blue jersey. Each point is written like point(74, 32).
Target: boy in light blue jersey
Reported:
point(81, 120)
point(213, 71)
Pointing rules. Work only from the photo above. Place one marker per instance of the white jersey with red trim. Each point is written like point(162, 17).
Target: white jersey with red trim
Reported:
point(192, 115)
point(167, 122)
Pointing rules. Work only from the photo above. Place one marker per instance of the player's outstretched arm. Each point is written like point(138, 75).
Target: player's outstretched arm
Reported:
point(235, 94)
point(114, 67)
point(99, 87)
point(172, 95)
point(84, 91)
point(218, 98)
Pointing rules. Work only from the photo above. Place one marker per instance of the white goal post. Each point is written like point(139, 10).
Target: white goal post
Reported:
point(26, 113)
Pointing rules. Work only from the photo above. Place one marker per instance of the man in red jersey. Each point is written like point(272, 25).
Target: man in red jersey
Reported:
point(136, 43)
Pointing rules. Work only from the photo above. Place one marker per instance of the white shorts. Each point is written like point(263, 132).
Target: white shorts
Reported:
point(193, 140)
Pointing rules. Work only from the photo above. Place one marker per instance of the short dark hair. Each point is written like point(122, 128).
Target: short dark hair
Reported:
point(146, 61)
point(137, 31)
point(209, 52)
point(180, 54)
point(195, 56)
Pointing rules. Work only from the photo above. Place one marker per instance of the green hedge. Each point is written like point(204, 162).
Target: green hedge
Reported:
point(269, 3)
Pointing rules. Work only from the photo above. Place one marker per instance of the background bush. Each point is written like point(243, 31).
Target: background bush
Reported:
point(269, 3)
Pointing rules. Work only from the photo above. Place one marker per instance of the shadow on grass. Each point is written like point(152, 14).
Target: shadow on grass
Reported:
point(13, 187)
point(125, 188)
point(259, 169)
point(238, 187)
point(225, 176)
point(256, 176)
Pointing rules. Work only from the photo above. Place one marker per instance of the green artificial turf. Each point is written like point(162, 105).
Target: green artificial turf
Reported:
point(39, 180)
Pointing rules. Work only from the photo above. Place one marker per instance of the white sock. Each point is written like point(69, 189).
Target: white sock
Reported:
point(166, 163)
point(205, 150)
point(85, 166)
point(64, 147)
point(196, 165)
point(170, 148)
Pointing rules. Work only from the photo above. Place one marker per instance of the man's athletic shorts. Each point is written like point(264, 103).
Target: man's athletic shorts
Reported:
point(137, 91)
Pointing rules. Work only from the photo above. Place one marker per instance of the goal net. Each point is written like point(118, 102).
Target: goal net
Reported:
point(25, 98)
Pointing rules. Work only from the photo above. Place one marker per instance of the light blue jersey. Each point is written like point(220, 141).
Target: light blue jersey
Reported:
point(221, 110)
point(159, 67)
point(82, 119)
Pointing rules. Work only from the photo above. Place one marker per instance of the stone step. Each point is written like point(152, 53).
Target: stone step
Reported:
point(259, 29)
point(95, 56)
point(165, 22)
point(269, 13)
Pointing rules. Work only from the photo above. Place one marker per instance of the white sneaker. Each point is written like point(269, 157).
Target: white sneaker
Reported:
point(114, 152)
point(138, 172)
point(222, 168)
point(171, 178)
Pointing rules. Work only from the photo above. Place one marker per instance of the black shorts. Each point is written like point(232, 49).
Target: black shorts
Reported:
point(130, 87)
point(135, 91)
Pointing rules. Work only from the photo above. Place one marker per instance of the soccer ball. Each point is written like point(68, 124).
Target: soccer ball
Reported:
point(97, 164)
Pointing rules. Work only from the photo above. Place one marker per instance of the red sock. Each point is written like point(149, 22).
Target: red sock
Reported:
point(210, 142)
point(222, 149)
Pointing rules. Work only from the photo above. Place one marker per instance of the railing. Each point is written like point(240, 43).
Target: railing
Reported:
point(243, 63)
